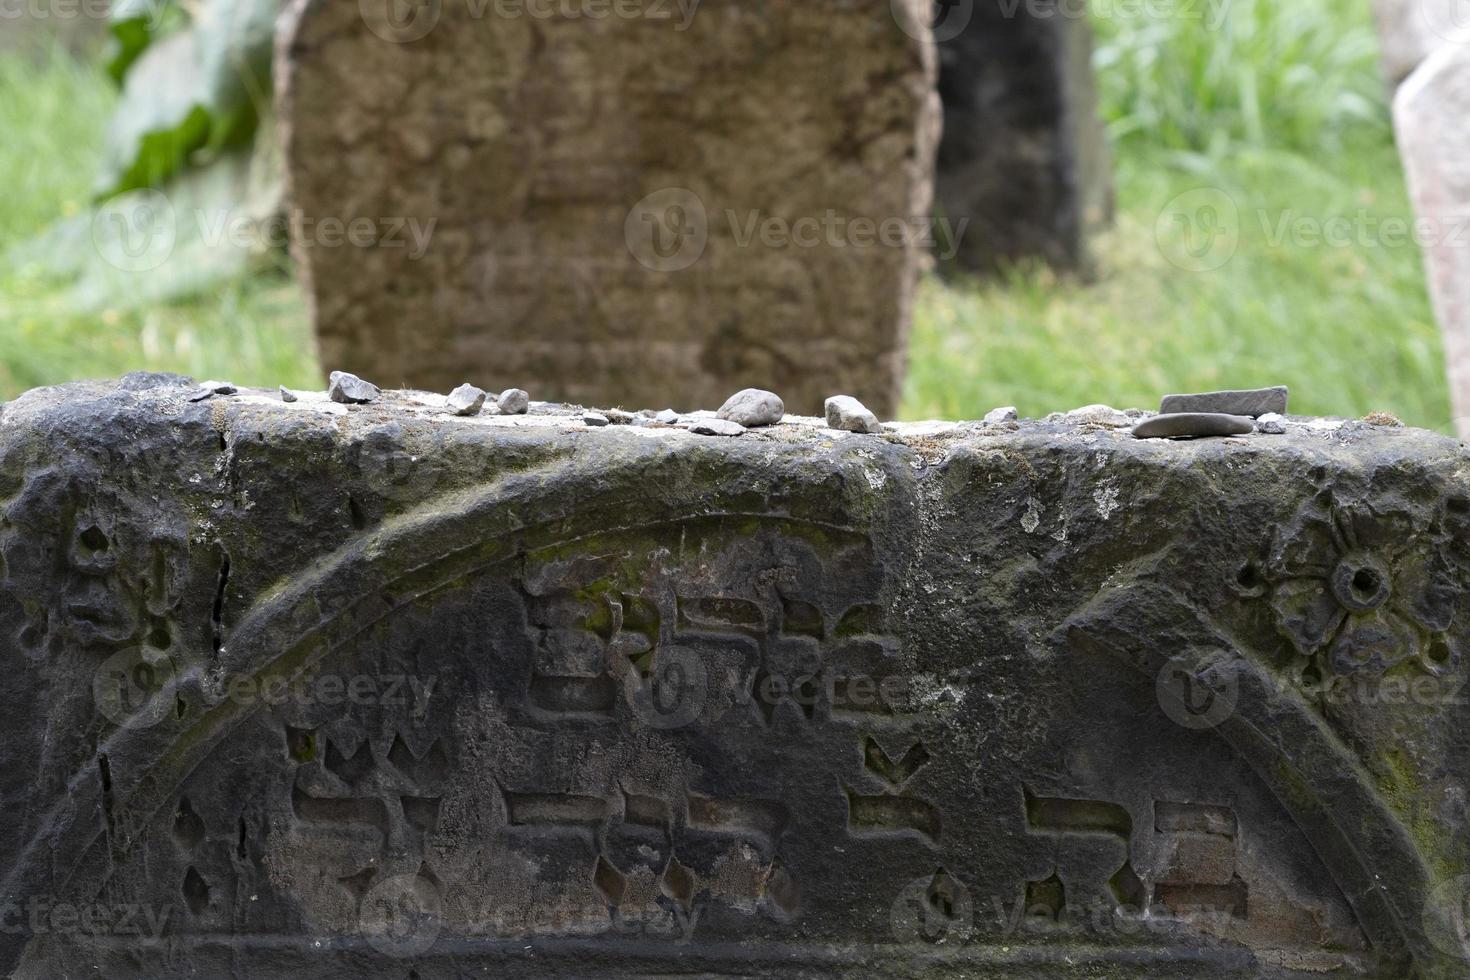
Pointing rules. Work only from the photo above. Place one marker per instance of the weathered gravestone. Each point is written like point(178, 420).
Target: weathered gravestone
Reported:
point(1024, 170)
point(311, 689)
point(1409, 31)
point(1431, 111)
point(672, 197)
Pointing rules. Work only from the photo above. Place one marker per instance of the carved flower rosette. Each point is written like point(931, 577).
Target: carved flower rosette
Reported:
point(1360, 590)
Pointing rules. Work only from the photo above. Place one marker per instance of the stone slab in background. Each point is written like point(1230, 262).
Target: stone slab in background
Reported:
point(1430, 112)
point(1253, 402)
point(688, 200)
point(312, 689)
point(1409, 31)
point(1024, 161)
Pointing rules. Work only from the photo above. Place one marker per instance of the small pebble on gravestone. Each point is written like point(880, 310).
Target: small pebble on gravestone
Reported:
point(753, 407)
point(1103, 414)
point(349, 389)
point(1271, 424)
point(287, 395)
point(998, 415)
point(715, 427)
point(513, 401)
point(208, 389)
point(668, 416)
point(1192, 425)
point(850, 415)
point(595, 419)
point(1253, 403)
point(466, 400)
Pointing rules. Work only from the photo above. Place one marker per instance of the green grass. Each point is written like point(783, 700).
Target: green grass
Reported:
point(1278, 105)
point(1282, 109)
point(252, 330)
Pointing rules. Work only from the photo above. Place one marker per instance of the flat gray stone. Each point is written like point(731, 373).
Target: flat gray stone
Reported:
point(466, 400)
point(996, 416)
point(208, 389)
point(668, 416)
point(850, 415)
point(715, 427)
point(753, 407)
point(1253, 403)
point(287, 395)
point(349, 389)
point(1190, 425)
point(1271, 424)
point(513, 401)
point(596, 420)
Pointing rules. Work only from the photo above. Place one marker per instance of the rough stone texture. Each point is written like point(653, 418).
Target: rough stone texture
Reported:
point(1254, 402)
point(349, 389)
point(635, 702)
point(513, 401)
point(574, 166)
point(1271, 423)
point(1024, 158)
point(847, 413)
point(753, 407)
point(1429, 113)
point(466, 400)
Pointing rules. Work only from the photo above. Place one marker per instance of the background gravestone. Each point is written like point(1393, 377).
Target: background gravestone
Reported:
point(681, 203)
point(322, 690)
point(1024, 159)
point(1409, 31)
point(1430, 113)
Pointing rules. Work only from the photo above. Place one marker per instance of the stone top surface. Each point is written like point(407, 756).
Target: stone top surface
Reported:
point(798, 703)
point(1102, 426)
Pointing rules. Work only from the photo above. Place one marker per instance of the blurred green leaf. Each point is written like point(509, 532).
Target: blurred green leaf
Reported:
point(132, 25)
point(200, 89)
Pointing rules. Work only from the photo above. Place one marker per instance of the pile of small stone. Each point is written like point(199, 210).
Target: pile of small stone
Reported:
point(1217, 413)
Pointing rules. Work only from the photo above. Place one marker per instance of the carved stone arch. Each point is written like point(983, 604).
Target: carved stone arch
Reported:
point(1313, 776)
point(92, 829)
